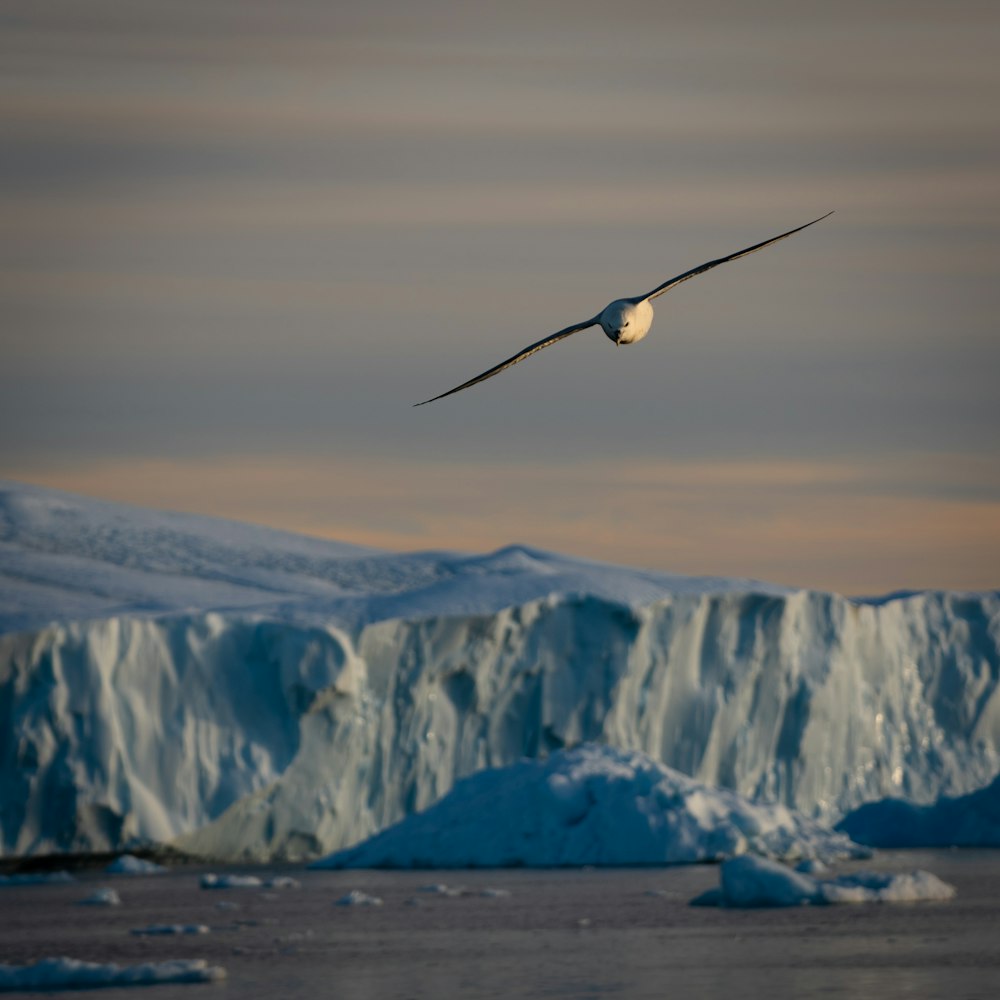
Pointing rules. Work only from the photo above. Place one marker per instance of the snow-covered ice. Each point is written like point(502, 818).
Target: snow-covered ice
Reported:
point(65, 557)
point(252, 695)
point(102, 897)
point(129, 864)
point(750, 881)
point(69, 973)
point(593, 805)
point(971, 820)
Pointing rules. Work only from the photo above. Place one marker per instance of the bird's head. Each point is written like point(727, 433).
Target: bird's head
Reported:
point(625, 322)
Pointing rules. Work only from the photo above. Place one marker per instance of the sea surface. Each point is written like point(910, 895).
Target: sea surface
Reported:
point(523, 933)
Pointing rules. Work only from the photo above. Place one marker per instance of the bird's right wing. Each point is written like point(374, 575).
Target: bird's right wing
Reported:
point(526, 353)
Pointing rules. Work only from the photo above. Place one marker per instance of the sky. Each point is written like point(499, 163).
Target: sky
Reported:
point(241, 239)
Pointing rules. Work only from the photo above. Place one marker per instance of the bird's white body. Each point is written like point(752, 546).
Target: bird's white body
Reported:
point(625, 322)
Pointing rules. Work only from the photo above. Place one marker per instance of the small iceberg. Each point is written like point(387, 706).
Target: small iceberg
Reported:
point(129, 864)
point(750, 881)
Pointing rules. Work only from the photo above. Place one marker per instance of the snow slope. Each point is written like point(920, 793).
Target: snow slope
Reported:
point(593, 805)
point(254, 695)
point(64, 557)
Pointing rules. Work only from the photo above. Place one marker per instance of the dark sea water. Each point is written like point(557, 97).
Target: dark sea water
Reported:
point(562, 933)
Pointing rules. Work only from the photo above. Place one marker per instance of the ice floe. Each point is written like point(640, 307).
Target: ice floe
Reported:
point(750, 881)
point(129, 864)
point(358, 898)
point(593, 805)
point(69, 973)
point(213, 881)
point(102, 897)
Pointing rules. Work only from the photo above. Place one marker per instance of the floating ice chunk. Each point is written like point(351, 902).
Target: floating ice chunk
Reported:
point(68, 973)
point(440, 889)
point(593, 805)
point(212, 881)
point(39, 878)
point(102, 897)
point(358, 898)
point(129, 864)
point(165, 929)
point(750, 881)
point(878, 887)
point(489, 893)
point(282, 882)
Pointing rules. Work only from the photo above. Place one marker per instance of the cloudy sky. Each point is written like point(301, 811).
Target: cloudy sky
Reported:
point(240, 239)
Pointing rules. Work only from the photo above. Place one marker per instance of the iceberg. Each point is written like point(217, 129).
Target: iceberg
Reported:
point(245, 694)
point(593, 805)
point(971, 820)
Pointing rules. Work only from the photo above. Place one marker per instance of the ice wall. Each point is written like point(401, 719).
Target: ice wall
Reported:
point(267, 739)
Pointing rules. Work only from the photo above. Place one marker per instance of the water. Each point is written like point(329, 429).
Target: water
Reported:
point(565, 933)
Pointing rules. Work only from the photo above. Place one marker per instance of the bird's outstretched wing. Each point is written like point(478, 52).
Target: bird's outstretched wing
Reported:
point(526, 353)
point(667, 285)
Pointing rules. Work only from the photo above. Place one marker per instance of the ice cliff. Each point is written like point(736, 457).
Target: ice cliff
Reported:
point(269, 698)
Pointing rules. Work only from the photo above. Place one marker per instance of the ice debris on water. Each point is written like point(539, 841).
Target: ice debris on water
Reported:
point(69, 973)
point(102, 897)
point(129, 864)
point(157, 930)
point(358, 898)
point(440, 889)
point(212, 881)
point(750, 881)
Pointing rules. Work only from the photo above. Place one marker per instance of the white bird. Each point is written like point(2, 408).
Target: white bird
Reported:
point(625, 321)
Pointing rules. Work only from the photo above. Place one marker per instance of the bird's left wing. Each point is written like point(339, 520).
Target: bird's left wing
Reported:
point(667, 285)
point(526, 353)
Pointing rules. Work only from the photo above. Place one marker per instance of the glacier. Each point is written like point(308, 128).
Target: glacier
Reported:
point(247, 694)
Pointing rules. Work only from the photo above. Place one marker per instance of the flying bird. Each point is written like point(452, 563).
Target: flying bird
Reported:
point(625, 321)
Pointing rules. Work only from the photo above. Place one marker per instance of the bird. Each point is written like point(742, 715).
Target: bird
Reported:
point(624, 321)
